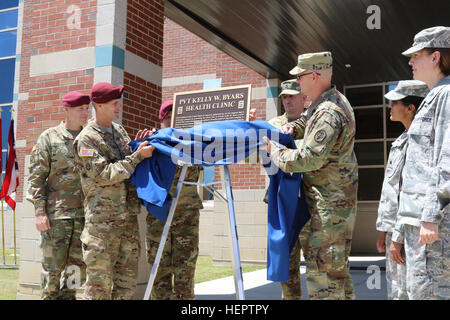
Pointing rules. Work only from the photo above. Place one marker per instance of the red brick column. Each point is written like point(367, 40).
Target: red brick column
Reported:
point(144, 43)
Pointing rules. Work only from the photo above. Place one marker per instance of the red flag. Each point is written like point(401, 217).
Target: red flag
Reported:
point(12, 171)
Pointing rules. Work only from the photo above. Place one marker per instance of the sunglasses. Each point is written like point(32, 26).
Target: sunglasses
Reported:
point(305, 74)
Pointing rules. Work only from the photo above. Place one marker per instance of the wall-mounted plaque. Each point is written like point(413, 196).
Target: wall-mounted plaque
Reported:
point(195, 107)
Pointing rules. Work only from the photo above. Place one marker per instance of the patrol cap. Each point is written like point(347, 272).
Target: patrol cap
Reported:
point(312, 61)
point(103, 92)
point(289, 87)
point(166, 107)
point(407, 88)
point(435, 37)
point(75, 99)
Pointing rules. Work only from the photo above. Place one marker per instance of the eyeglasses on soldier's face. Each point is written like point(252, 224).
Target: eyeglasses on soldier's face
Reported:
point(305, 74)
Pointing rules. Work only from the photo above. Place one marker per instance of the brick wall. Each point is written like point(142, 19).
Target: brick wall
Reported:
point(185, 54)
point(144, 38)
point(46, 30)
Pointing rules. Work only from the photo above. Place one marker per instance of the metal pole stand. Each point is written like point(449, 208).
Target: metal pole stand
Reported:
point(226, 182)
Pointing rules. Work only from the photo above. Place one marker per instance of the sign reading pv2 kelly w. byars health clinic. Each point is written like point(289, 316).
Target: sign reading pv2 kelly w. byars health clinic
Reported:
point(196, 107)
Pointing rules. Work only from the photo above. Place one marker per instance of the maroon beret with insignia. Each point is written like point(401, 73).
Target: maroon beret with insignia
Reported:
point(103, 92)
point(165, 108)
point(75, 99)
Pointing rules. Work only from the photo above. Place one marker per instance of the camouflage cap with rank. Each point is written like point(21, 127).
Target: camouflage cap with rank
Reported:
point(290, 87)
point(407, 88)
point(435, 37)
point(312, 61)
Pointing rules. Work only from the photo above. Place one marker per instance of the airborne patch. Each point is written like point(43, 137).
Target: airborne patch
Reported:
point(320, 136)
point(87, 152)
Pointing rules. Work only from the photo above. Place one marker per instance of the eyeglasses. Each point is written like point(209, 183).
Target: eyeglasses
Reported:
point(305, 74)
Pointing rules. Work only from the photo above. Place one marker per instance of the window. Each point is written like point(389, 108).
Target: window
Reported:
point(370, 183)
point(6, 4)
point(375, 133)
point(369, 123)
point(8, 42)
point(7, 68)
point(8, 19)
point(370, 153)
point(6, 120)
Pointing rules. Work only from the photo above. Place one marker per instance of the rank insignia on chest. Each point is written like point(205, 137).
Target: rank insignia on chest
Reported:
point(87, 152)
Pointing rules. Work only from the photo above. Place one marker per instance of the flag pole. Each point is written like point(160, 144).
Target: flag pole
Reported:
point(3, 236)
point(1, 184)
point(15, 247)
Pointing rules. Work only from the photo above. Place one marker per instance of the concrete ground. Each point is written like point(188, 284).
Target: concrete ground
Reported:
point(369, 285)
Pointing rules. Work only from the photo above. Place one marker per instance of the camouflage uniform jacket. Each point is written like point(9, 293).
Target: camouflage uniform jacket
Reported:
point(387, 209)
point(189, 198)
point(425, 192)
point(279, 121)
point(106, 164)
point(54, 184)
point(325, 156)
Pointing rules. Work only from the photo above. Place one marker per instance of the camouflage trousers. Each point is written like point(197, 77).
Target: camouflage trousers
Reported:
point(63, 270)
point(395, 275)
point(428, 265)
point(111, 253)
point(175, 277)
point(327, 266)
point(292, 289)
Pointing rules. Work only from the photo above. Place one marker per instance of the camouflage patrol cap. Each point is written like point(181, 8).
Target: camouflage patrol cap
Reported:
point(312, 61)
point(435, 37)
point(408, 88)
point(289, 87)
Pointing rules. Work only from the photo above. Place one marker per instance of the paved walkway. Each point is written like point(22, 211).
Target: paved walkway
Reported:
point(257, 287)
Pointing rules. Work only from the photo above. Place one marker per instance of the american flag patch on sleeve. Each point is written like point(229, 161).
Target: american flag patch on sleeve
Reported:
point(87, 152)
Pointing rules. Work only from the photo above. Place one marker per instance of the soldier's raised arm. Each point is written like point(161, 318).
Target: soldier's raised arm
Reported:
point(315, 148)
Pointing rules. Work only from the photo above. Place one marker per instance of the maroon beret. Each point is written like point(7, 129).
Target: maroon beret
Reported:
point(75, 99)
point(103, 92)
point(165, 108)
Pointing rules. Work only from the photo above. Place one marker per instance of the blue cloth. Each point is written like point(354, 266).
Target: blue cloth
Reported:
point(223, 143)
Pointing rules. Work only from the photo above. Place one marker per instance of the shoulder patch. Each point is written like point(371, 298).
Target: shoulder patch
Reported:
point(87, 152)
point(34, 148)
point(320, 136)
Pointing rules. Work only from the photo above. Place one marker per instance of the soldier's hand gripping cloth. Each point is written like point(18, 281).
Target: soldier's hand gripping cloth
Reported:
point(222, 143)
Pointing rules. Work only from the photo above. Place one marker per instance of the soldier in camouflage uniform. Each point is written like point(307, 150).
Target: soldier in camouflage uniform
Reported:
point(110, 237)
point(328, 164)
point(294, 105)
point(405, 100)
point(175, 277)
point(423, 213)
point(55, 191)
